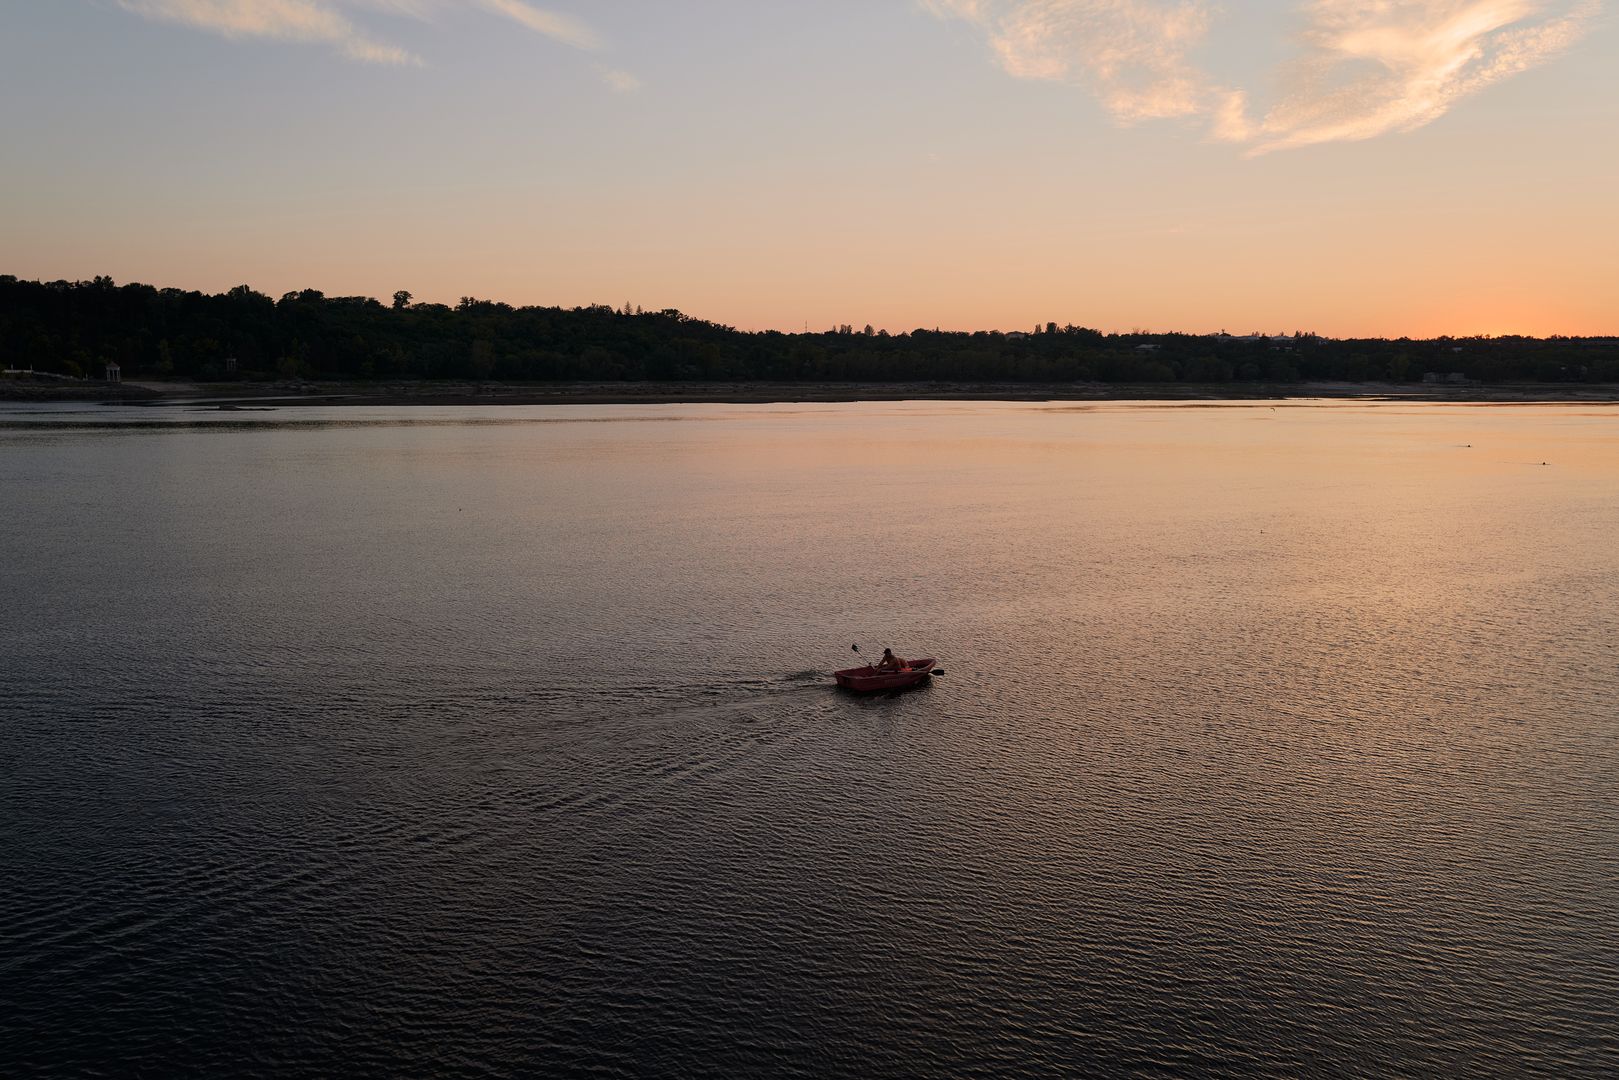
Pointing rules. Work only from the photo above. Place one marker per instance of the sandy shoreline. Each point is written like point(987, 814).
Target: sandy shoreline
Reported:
point(228, 395)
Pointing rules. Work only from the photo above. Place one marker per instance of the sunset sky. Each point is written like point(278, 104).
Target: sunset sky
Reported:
point(1349, 167)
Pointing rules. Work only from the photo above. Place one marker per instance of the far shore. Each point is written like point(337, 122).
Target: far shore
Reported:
point(259, 395)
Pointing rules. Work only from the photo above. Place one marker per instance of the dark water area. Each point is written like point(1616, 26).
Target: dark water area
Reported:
point(1273, 741)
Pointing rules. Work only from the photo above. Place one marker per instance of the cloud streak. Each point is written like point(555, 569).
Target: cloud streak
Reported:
point(307, 21)
point(620, 81)
point(333, 22)
point(564, 28)
point(1363, 68)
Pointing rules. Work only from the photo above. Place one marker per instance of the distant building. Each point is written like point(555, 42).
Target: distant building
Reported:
point(1017, 335)
point(114, 373)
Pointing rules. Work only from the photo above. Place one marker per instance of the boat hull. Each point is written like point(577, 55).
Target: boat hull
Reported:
point(867, 679)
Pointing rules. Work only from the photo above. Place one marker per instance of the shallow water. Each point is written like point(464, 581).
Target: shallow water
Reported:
point(462, 742)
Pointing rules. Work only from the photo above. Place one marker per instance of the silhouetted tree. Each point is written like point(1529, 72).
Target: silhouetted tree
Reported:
point(75, 327)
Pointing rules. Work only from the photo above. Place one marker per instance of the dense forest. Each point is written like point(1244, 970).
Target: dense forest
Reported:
point(77, 328)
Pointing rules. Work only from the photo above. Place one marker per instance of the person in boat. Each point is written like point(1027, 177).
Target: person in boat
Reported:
point(890, 662)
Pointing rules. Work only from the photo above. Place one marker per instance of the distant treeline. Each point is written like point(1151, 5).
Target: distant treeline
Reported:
point(77, 328)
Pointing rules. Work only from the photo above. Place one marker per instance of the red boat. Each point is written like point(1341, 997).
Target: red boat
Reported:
point(870, 678)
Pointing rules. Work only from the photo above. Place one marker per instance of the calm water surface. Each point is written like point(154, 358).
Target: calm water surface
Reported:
point(459, 742)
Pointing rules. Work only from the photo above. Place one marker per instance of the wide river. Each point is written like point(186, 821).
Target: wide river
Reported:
point(1274, 739)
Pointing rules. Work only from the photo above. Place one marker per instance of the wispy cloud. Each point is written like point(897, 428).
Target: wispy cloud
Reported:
point(622, 81)
point(565, 28)
point(336, 22)
point(1372, 68)
point(280, 20)
point(1135, 55)
point(1365, 67)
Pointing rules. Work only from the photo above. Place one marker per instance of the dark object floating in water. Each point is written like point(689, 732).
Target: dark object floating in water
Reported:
point(862, 679)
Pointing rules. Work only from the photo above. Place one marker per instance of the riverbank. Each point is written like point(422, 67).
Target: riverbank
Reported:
point(52, 390)
point(601, 393)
